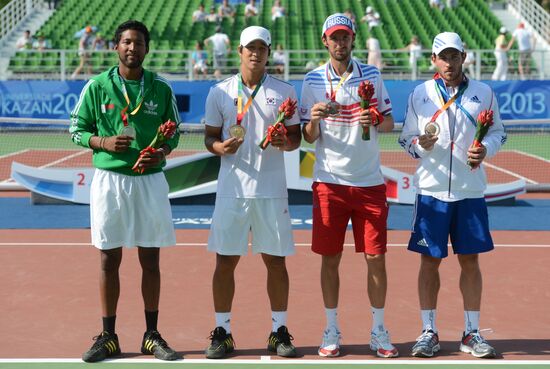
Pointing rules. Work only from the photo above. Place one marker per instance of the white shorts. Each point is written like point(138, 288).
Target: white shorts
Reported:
point(267, 219)
point(130, 211)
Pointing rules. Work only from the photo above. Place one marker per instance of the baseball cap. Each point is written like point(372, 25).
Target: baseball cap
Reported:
point(503, 30)
point(253, 33)
point(447, 40)
point(338, 21)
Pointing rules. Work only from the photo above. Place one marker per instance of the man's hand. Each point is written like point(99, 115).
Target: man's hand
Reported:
point(476, 154)
point(231, 145)
point(117, 143)
point(427, 142)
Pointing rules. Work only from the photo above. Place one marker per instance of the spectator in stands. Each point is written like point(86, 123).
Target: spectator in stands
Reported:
point(226, 10)
point(250, 10)
point(348, 13)
point(279, 59)
point(371, 17)
point(437, 4)
point(52, 4)
point(415, 51)
point(375, 55)
point(501, 57)
point(469, 62)
point(199, 15)
point(84, 46)
point(277, 11)
point(220, 48)
point(99, 42)
point(25, 41)
point(213, 17)
point(41, 43)
point(526, 45)
point(199, 58)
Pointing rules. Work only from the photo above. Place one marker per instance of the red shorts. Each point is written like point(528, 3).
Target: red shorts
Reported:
point(334, 205)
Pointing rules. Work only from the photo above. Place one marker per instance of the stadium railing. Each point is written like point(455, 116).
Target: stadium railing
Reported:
point(177, 64)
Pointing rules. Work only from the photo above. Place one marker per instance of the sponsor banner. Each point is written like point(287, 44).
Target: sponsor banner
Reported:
point(56, 99)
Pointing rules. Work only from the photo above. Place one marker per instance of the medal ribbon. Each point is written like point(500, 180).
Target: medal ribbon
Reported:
point(343, 79)
point(444, 95)
point(139, 99)
point(240, 110)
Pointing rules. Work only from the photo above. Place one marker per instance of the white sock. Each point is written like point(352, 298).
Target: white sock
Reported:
point(278, 319)
point(377, 320)
point(224, 320)
point(471, 321)
point(332, 319)
point(428, 320)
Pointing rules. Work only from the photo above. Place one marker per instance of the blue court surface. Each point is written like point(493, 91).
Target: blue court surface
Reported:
point(19, 213)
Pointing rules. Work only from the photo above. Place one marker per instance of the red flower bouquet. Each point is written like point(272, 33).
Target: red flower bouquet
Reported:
point(164, 133)
point(484, 122)
point(366, 91)
point(286, 111)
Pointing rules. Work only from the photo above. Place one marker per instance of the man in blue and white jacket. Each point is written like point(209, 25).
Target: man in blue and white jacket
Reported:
point(439, 130)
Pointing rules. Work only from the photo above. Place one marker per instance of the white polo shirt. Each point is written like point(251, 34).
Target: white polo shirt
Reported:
point(251, 172)
point(342, 156)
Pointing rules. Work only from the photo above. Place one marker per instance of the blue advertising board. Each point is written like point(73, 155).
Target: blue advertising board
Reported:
point(56, 99)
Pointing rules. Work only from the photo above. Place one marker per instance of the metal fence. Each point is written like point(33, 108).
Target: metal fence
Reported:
point(178, 65)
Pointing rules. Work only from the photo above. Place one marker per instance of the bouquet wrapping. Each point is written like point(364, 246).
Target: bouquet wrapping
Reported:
point(484, 122)
point(165, 132)
point(366, 91)
point(286, 111)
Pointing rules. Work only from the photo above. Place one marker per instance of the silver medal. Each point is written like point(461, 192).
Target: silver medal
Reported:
point(128, 131)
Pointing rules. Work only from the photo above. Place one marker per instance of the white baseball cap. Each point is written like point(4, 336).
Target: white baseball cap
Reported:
point(253, 33)
point(447, 40)
point(503, 30)
point(338, 21)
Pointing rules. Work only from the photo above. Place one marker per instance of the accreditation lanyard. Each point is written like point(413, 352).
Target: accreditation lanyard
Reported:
point(447, 101)
point(343, 79)
point(139, 99)
point(240, 110)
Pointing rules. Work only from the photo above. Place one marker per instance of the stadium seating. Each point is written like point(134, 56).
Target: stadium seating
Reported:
point(171, 26)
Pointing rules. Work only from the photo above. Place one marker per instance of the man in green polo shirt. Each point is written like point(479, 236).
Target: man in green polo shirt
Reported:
point(118, 115)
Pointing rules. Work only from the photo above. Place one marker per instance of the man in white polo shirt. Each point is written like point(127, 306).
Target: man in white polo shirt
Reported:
point(347, 180)
point(252, 194)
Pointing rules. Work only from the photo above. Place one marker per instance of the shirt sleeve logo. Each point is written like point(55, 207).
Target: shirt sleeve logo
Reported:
point(151, 108)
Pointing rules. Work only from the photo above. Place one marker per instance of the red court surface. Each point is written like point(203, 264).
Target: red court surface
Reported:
point(50, 304)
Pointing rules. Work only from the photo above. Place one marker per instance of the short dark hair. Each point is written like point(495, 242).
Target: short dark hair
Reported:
point(133, 25)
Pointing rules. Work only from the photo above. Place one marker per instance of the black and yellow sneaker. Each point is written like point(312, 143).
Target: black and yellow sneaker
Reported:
point(154, 344)
point(105, 345)
point(279, 342)
point(221, 344)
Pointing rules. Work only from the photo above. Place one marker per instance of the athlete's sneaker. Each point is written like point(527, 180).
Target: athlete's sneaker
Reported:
point(476, 345)
point(154, 344)
point(426, 345)
point(330, 347)
point(221, 344)
point(279, 342)
point(105, 345)
point(381, 343)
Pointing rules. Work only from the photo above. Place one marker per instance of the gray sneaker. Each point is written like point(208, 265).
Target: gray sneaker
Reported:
point(279, 342)
point(426, 345)
point(476, 345)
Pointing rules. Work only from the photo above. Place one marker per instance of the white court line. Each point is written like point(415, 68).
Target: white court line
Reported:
point(65, 158)
point(513, 174)
point(202, 244)
point(531, 155)
point(14, 153)
point(324, 361)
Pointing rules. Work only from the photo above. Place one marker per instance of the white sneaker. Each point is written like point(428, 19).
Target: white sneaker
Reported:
point(381, 343)
point(330, 347)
